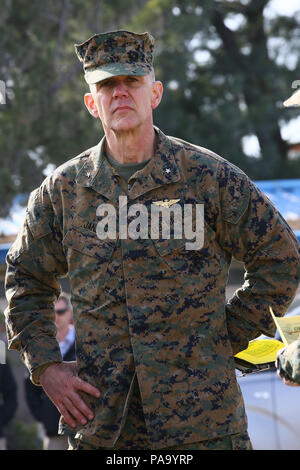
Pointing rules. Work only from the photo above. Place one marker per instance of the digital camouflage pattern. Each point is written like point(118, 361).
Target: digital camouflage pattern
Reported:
point(134, 434)
point(149, 306)
point(116, 53)
point(289, 362)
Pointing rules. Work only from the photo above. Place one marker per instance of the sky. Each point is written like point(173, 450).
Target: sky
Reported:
point(282, 7)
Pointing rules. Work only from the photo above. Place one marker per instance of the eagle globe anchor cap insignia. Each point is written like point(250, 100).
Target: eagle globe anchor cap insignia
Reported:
point(116, 53)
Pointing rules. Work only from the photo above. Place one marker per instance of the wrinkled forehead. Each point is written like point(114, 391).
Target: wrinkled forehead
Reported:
point(121, 79)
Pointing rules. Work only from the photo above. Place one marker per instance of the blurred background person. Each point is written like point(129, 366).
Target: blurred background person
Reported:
point(288, 360)
point(8, 400)
point(40, 405)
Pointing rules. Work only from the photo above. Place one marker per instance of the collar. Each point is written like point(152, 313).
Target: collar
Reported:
point(98, 174)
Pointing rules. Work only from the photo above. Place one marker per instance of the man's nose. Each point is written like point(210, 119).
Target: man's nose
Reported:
point(120, 90)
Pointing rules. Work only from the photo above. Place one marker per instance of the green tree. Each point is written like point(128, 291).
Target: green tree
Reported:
point(225, 79)
point(221, 80)
point(44, 122)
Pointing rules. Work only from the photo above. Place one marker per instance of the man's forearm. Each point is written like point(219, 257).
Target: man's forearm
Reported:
point(35, 376)
point(240, 332)
point(34, 262)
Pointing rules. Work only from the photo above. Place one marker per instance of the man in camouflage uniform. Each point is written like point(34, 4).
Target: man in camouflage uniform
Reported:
point(288, 360)
point(155, 337)
point(288, 364)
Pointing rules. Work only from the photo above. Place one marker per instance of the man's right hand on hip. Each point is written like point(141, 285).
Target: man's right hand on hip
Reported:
point(61, 383)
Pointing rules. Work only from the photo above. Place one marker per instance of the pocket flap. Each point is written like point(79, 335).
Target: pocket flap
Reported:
point(38, 229)
point(89, 244)
point(166, 246)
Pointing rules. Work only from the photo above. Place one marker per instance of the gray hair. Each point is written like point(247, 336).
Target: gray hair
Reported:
point(152, 75)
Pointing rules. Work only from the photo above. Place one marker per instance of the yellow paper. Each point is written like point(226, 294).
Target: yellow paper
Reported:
point(261, 351)
point(288, 327)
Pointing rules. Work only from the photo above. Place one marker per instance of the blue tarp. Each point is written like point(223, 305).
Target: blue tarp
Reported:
point(285, 194)
point(4, 247)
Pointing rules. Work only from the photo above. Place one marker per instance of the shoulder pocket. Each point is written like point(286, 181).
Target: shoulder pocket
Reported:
point(26, 236)
point(89, 244)
point(235, 193)
point(38, 229)
point(37, 216)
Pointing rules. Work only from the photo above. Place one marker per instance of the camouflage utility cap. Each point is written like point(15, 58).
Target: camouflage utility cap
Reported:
point(294, 100)
point(116, 53)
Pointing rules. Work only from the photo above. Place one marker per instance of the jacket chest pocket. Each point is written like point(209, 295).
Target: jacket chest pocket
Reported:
point(201, 256)
point(170, 246)
point(87, 255)
point(179, 227)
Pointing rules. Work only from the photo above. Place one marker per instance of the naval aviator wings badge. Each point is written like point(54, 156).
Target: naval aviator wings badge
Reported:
point(166, 202)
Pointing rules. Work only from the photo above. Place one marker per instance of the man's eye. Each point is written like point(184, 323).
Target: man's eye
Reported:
point(105, 84)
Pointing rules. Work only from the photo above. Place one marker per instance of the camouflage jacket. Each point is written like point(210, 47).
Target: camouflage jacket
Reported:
point(289, 361)
point(151, 306)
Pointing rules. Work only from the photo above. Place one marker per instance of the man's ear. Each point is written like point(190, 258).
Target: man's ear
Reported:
point(157, 92)
point(90, 104)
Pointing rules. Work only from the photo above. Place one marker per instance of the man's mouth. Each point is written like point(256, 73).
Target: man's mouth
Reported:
point(122, 108)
